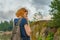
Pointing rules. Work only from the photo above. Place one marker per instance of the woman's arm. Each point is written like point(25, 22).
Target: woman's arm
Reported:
point(27, 29)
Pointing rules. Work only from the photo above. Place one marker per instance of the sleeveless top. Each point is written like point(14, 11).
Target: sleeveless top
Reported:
point(22, 29)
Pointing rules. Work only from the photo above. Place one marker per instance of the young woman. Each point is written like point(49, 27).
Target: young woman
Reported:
point(25, 30)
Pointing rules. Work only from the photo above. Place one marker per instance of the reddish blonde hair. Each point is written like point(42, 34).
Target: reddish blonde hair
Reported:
point(21, 12)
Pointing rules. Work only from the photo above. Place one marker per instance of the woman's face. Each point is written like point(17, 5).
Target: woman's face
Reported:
point(26, 14)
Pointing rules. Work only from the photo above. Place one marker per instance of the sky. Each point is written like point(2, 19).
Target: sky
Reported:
point(8, 8)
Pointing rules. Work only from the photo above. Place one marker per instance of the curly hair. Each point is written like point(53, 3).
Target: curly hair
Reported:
point(21, 12)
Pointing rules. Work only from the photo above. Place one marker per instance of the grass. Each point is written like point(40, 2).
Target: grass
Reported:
point(5, 37)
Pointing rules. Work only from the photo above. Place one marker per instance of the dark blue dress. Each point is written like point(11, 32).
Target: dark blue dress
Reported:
point(24, 36)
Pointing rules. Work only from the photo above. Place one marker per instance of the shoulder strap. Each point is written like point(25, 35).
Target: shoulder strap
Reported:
point(15, 28)
point(18, 30)
point(19, 21)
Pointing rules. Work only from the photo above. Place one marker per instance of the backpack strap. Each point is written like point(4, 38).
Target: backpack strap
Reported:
point(18, 36)
point(19, 21)
point(15, 28)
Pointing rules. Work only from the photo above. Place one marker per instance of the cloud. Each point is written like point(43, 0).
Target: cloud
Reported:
point(48, 17)
point(40, 3)
point(6, 15)
point(8, 8)
point(13, 4)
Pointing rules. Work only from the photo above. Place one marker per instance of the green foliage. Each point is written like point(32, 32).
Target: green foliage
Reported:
point(6, 26)
point(50, 36)
point(55, 12)
point(39, 38)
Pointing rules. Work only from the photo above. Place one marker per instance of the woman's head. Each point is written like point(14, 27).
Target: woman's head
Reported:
point(22, 12)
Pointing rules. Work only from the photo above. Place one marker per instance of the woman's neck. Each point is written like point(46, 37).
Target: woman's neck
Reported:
point(19, 17)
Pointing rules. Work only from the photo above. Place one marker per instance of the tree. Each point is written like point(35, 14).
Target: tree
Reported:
point(6, 26)
point(10, 25)
point(55, 12)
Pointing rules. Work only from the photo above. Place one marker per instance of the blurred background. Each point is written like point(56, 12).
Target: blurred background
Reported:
point(44, 18)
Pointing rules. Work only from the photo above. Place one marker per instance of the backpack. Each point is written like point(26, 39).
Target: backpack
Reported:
point(16, 35)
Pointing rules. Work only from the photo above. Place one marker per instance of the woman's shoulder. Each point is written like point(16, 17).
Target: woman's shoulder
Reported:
point(15, 19)
point(23, 19)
